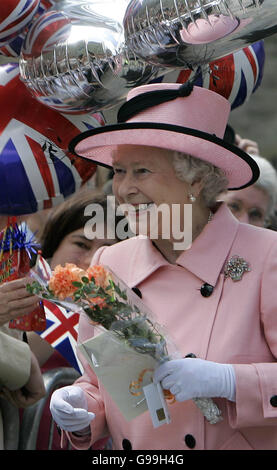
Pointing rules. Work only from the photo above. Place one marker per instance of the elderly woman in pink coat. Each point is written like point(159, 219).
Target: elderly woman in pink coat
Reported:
point(216, 298)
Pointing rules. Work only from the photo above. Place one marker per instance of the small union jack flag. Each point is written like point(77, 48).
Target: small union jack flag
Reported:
point(61, 324)
point(61, 332)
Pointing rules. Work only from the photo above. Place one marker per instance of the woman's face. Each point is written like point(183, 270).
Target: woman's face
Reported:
point(77, 249)
point(144, 181)
point(248, 205)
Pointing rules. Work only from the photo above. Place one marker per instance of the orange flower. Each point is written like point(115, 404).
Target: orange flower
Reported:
point(100, 275)
point(98, 301)
point(61, 281)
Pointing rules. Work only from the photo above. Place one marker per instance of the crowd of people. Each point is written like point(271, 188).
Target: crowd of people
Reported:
point(215, 296)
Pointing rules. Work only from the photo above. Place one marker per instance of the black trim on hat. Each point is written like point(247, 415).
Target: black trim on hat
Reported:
point(149, 99)
point(166, 127)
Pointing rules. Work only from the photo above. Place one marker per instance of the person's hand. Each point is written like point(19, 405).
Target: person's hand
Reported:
point(249, 146)
point(32, 391)
point(15, 301)
point(196, 378)
point(69, 409)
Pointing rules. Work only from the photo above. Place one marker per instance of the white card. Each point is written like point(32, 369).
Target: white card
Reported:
point(156, 404)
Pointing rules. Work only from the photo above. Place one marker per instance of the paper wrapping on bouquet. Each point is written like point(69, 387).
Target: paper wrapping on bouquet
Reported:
point(124, 373)
point(15, 253)
point(117, 367)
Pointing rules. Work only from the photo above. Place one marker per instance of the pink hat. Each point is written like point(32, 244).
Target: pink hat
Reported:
point(184, 118)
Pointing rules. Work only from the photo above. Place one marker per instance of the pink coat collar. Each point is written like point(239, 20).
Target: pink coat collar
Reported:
point(209, 251)
point(136, 259)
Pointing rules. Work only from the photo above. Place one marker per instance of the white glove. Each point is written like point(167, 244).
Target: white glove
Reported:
point(196, 378)
point(69, 408)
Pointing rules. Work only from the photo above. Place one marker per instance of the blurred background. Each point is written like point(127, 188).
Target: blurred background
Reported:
point(257, 118)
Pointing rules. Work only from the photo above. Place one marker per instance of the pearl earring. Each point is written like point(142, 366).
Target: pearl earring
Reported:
point(192, 198)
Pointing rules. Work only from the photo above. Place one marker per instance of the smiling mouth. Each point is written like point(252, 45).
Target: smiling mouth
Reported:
point(141, 207)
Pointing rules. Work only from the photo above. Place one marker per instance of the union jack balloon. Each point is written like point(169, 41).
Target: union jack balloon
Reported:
point(235, 76)
point(36, 171)
point(13, 48)
point(15, 15)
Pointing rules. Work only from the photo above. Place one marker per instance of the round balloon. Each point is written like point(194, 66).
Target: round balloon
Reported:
point(36, 170)
point(235, 76)
point(186, 34)
point(15, 15)
point(12, 49)
point(74, 59)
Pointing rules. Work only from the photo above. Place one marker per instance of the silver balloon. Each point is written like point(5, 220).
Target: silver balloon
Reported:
point(189, 33)
point(74, 58)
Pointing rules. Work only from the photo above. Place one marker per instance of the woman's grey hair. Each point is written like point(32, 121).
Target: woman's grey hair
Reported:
point(191, 169)
point(267, 181)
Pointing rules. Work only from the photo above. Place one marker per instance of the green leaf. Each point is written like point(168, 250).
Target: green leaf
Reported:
point(77, 284)
point(87, 289)
point(93, 295)
point(85, 279)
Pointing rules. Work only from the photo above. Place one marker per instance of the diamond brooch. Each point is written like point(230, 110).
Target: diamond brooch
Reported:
point(235, 268)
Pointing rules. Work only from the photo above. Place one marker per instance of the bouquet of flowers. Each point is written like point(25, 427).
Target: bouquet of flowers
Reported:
point(127, 330)
point(94, 292)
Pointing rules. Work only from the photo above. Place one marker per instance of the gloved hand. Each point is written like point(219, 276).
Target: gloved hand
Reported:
point(196, 378)
point(69, 408)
